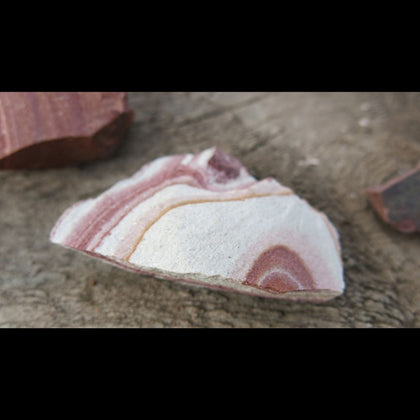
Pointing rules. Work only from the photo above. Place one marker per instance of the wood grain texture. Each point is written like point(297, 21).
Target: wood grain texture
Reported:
point(328, 147)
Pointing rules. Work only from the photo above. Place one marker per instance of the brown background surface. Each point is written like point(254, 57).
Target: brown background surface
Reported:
point(328, 147)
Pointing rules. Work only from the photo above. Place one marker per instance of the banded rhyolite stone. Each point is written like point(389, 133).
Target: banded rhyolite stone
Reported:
point(53, 129)
point(203, 219)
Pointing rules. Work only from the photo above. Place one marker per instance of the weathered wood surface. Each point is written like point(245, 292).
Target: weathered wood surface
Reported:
point(357, 139)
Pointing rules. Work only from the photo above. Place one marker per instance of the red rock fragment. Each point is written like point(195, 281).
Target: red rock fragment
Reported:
point(397, 202)
point(54, 129)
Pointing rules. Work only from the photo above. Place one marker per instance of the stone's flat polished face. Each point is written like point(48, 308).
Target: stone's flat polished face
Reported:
point(52, 129)
point(203, 219)
point(398, 201)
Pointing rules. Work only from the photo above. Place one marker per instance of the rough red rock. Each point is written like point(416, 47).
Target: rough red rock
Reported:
point(397, 202)
point(53, 129)
point(204, 220)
